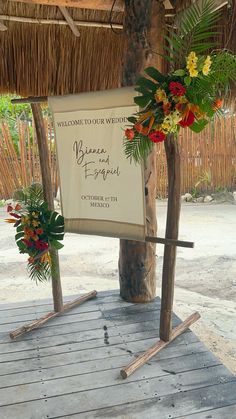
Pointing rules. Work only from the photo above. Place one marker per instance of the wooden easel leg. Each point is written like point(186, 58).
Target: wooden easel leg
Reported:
point(167, 335)
point(153, 350)
point(40, 322)
point(172, 230)
point(48, 196)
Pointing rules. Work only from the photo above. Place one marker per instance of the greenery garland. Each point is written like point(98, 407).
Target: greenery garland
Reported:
point(191, 94)
point(38, 230)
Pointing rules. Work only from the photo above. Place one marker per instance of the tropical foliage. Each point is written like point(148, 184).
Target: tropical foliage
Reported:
point(38, 230)
point(190, 95)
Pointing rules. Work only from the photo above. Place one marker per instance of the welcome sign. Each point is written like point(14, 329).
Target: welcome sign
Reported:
point(102, 192)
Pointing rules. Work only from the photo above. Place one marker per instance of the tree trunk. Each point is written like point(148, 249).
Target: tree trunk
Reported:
point(172, 231)
point(48, 196)
point(143, 27)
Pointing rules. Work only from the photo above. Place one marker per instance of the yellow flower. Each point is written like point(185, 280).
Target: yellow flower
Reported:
point(192, 60)
point(35, 214)
point(170, 122)
point(160, 96)
point(193, 73)
point(35, 223)
point(207, 66)
point(46, 258)
point(192, 57)
point(25, 220)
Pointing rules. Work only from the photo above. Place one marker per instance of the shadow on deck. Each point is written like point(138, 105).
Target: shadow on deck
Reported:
point(70, 367)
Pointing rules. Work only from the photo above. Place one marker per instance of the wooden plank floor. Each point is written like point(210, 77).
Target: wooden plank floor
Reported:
point(70, 367)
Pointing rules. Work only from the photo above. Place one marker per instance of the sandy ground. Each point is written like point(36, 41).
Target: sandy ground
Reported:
point(205, 275)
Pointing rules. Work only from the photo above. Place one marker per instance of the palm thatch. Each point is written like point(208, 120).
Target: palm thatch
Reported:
point(39, 59)
point(47, 59)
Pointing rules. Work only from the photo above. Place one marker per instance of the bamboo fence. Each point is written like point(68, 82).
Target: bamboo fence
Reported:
point(208, 159)
point(19, 161)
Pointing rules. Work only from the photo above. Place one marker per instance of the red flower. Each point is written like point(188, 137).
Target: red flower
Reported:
point(129, 133)
point(39, 231)
point(177, 89)
point(28, 243)
point(187, 120)
point(9, 208)
point(40, 245)
point(157, 136)
point(166, 108)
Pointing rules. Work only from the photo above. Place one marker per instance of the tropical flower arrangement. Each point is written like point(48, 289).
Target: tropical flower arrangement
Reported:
point(38, 230)
point(188, 96)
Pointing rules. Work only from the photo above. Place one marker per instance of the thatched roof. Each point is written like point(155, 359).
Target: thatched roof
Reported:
point(42, 59)
point(38, 59)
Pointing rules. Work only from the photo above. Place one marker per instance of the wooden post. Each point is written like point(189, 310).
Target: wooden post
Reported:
point(172, 230)
point(48, 196)
point(143, 27)
point(153, 350)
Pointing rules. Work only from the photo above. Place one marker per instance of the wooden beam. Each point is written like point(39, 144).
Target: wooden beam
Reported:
point(69, 20)
point(85, 23)
point(40, 322)
point(80, 4)
point(153, 350)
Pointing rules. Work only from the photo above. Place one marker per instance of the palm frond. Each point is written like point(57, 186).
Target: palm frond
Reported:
point(138, 148)
point(40, 272)
point(196, 28)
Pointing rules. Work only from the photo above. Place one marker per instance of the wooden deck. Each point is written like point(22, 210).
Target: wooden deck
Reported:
point(70, 367)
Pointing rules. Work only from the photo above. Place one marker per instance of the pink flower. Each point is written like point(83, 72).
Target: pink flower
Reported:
point(157, 136)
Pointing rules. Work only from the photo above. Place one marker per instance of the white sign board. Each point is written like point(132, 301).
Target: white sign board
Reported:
point(102, 192)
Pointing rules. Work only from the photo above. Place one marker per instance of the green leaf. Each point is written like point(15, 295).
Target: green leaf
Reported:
point(187, 80)
point(132, 119)
point(198, 126)
point(142, 101)
point(146, 84)
point(56, 244)
point(20, 228)
point(155, 74)
point(19, 236)
point(179, 72)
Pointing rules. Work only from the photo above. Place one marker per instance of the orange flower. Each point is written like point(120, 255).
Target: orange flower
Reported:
point(31, 259)
point(142, 130)
point(218, 103)
point(129, 133)
point(17, 207)
point(10, 220)
point(39, 231)
point(46, 258)
point(146, 117)
point(28, 232)
point(166, 108)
